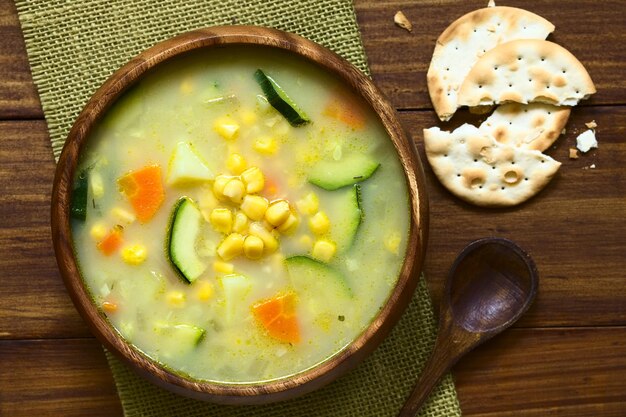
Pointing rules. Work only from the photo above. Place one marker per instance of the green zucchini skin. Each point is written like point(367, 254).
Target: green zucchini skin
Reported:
point(317, 279)
point(280, 100)
point(78, 206)
point(332, 175)
point(183, 230)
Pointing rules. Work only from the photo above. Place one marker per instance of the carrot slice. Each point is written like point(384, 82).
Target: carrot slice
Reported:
point(346, 110)
point(278, 317)
point(111, 242)
point(144, 190)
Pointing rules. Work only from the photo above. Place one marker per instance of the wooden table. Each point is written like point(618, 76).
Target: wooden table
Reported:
point(566, 357)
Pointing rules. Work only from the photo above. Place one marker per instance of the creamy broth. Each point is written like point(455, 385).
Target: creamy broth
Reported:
point(209, 107)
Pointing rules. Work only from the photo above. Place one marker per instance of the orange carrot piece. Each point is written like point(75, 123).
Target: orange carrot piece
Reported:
point(278, 317)
point(144, 190)
point(109, 307)
point(111, 242)
point(347, 111)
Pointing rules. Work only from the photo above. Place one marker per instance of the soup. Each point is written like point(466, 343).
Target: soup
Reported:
point(239, 215)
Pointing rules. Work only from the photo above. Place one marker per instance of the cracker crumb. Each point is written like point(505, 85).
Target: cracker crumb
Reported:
point(401, 20)
point(573, 153)
point(586, 140)
point(491, 3)
point(592, 166)
point(564, 131)
point(592, 124)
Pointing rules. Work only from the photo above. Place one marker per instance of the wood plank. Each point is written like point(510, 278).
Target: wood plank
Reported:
point(56, 378)
point(524, 372)
point(33, 300)
point(399, 60)
point(18, 95)
point(556, 372)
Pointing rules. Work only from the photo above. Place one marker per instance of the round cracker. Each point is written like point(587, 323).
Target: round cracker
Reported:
point(481, 171)
point(531, 126)
point(524, 71)
point(466, 39)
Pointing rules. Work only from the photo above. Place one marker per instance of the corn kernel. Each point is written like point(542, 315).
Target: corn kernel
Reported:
point(248, 117)
point(219, 184)
point(319, 223)
point(309, 204)
point(265, 145)
point(223, 267)
point(186, 87)
point(109, 307)
point(231, 247)
point(254, 206)
point(305, 242)
point(269, 240)
point(324, 250)
point(221, 219)
point(98, 231)
point(253, 247)
point(176, 298)
point(254, 180)
point(235, 190)
point(205, 291)
point(134, 254)
point(392, 242)
point(290, 224)
point(240, 224)
point(236, 163)
point(226, 128)
point(122, 216)
point(96, 184)
point(278, 212)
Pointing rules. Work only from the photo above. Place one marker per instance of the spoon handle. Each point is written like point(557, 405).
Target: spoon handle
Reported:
point(451, 344)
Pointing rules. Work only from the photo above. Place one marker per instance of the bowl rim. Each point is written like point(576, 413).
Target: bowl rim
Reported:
point(301, 382)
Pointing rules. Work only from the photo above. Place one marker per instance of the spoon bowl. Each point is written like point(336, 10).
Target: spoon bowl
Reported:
point(490, 285)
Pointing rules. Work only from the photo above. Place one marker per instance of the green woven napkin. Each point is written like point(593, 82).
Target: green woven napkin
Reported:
point(74, 45)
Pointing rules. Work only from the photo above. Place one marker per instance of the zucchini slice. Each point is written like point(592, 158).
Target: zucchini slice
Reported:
point(280, 100)
point(353, 168)
point(347, 217)
point(184, 229)
point(78, 206)
point(316, 280)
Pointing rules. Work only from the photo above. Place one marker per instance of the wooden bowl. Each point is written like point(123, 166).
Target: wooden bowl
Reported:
point(263, 392)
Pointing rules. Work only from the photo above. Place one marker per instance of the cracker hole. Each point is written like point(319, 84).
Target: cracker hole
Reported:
point(476, 160)
point(480, 86)
point(530, 80)
point(512, 162)
point(458, 175)
point(548, 86)
point(525, 179)
point(519, 58)
point(564, 71)
point(577, 91)
point(475, 30)
point(511, 123)
point(525, 110)
point(502, 188)
point(543, 58)
point(549, 112)
point(510, 85)
point(495, 68)
point(493, 167)
point(445, 155)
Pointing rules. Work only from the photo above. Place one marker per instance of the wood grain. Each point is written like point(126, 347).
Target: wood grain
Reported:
point(18, 95)
point(72, 379)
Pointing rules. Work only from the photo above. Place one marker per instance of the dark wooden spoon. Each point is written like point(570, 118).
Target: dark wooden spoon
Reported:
point(490, 285)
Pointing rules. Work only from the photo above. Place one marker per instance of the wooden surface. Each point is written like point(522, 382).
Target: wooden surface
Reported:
point(566, 357)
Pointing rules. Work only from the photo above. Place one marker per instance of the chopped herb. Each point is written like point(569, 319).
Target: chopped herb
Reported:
point(341, 318)
point(358, 177)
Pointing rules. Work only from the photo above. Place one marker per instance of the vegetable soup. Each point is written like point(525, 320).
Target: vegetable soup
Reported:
point(239, 215)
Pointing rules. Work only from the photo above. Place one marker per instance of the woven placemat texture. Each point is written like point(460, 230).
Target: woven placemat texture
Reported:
point(74, 45)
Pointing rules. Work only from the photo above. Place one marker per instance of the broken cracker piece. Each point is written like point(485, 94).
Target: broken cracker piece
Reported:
point(586, 140)
point(481, 171)
point(573, 153)
point(401, 20)
point(591, 125)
